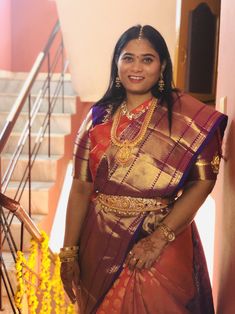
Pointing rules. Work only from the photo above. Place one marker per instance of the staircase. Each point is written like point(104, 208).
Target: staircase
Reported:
point(48, 171)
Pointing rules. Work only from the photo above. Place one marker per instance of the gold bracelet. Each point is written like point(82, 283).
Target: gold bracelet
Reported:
point(67, 254)
point(167, 232)
point(70, 248)
point(68, 259)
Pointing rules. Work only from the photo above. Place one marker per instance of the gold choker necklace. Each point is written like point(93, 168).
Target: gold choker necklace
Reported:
point(125, 147)
point(130, 115)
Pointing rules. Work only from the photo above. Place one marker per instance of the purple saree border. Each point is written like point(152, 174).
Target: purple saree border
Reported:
point(98, 114)
point(221, 119)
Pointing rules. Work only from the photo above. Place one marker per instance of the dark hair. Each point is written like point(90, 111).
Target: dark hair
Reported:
point(115, 96)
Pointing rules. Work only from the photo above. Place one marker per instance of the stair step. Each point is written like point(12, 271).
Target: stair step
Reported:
point(10, 85)
point(7, 309)
point(60, 122)
point(14, 85)
point(40, 168)
point(16, 232)
point(39, 196)
point(10, 265)
point(7, 101)
point(68, 88)
point(57, 142)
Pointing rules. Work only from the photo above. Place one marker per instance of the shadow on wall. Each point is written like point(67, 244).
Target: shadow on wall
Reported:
point(226, 300)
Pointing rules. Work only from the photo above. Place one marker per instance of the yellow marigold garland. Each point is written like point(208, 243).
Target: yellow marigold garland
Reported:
point(31, 278)
point(27, 281)
point(20, 282)
point(71, 309)
point(45, 285)
point(57, 289)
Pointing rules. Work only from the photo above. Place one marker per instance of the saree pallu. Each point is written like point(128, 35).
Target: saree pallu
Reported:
point(159, 167)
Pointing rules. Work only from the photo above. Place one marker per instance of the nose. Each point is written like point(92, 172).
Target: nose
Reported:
point(137, 66)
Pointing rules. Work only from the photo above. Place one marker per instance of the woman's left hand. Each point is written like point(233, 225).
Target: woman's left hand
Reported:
point(146, 252)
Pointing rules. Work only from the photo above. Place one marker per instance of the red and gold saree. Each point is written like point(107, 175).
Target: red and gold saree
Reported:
point(160, 166)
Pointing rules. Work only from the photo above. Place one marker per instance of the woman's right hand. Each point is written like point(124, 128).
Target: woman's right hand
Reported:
point(70, 276)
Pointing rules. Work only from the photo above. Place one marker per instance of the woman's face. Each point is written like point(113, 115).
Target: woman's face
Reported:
point(139, 67)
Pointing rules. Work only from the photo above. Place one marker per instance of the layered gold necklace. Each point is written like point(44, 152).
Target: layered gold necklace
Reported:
point(125, 147)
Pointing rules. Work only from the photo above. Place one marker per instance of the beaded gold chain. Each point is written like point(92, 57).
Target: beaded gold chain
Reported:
point(126, 146)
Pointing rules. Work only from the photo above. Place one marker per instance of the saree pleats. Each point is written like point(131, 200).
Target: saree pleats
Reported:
point(104, 243)
point(168, 287)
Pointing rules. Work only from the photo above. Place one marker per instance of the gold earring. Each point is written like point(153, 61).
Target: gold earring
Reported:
point(118, 82)
point(161, 84)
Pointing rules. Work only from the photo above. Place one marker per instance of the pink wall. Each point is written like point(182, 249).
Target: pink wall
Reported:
point(25, 27)
point(224, 272)
point(5, 35)
point(33, 21)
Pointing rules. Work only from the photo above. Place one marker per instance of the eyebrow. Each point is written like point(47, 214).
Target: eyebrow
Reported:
point(143, 55)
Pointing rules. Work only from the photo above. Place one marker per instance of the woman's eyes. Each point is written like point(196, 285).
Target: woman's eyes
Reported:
point(129, 59)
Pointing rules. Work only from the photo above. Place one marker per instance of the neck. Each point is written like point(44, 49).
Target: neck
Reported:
point(134, 101)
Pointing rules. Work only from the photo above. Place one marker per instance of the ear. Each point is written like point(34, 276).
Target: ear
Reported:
point(163, 66)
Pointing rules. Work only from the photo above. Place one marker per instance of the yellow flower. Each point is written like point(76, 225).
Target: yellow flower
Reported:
point(20, 283)
point(71, 309)
point(44, 285)
point(57, 288)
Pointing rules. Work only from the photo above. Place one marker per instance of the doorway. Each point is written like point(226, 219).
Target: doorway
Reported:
point(197, 48)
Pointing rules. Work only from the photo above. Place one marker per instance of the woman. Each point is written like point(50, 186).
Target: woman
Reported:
point(146, 158)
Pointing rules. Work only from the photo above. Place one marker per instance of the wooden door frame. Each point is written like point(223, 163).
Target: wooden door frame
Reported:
point(181, 45)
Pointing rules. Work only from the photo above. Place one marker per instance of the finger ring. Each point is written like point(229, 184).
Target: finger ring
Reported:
point(130, 253)
point(134, 259)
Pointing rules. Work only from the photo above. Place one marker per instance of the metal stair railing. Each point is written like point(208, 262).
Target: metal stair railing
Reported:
point(52, 56)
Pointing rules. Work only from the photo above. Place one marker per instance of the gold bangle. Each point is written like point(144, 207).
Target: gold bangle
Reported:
point(69, 248)
point(167, 232)
point(67, 254)
point(68, 259)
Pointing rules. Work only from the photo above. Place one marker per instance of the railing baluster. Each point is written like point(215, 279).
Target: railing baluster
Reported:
point(49, 104)
point(5, 280)
point(8, 237)
point(29, 155)
point(62, 74)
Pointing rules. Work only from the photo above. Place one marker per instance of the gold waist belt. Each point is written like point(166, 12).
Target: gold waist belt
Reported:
point(131, 206)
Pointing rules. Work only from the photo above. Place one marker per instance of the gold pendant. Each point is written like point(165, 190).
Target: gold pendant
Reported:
point(123, 155)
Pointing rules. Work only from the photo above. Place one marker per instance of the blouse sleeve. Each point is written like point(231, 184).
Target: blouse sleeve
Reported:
point(207, 163)
point(81, 153)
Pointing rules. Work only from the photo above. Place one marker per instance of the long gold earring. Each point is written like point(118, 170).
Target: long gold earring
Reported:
point(118, 82)
point(161, 84)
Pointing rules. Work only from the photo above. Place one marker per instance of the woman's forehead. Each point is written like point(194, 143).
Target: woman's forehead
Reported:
point(139, 46)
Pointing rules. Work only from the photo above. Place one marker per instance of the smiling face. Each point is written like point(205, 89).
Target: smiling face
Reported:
point(139, 67)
